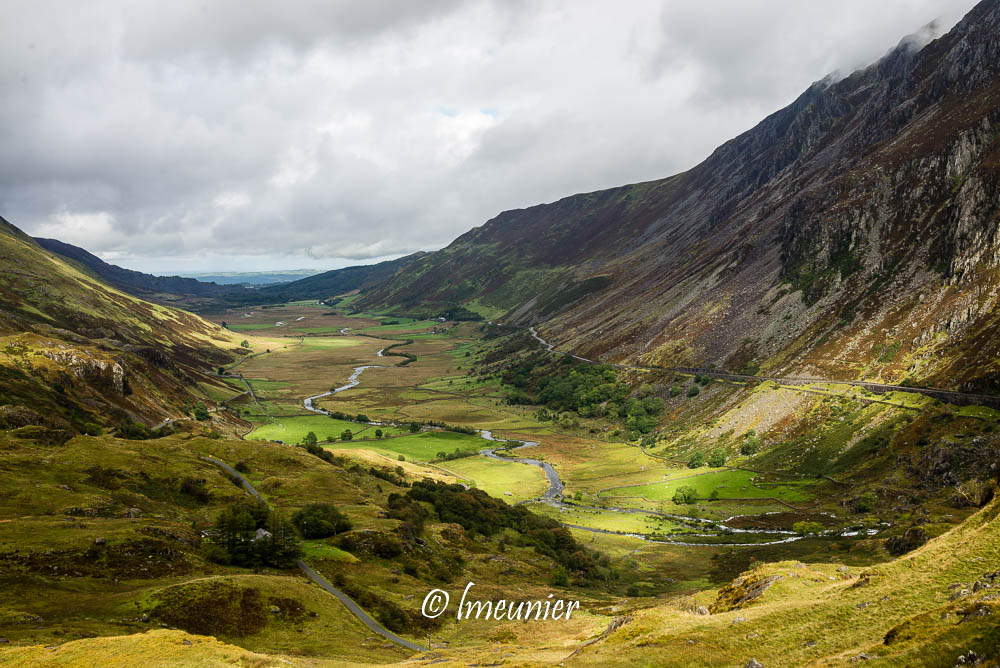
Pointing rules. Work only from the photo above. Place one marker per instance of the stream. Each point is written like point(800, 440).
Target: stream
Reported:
point(553, 495)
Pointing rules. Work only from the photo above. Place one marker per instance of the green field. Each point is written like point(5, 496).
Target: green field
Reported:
point(729, 483)
point(421, 447)
point(498, 478)
point(294, 429)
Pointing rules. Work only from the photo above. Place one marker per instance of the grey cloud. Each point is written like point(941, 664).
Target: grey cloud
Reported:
point(294, 133)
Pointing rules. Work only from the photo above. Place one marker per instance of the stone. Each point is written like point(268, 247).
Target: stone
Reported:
point(187, 642)
point(100, 541)
point(701, 610)
point(145, 617)
point(753, 663)
point(274, 610)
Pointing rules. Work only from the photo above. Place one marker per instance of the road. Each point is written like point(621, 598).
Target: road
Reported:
point(949, 396)
point(353, 607)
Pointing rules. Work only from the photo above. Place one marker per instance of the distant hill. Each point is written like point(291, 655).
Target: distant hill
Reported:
point(201, 296)
point(253, 277)
point(135, 282)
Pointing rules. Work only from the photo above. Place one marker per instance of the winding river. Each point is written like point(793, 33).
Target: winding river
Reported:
point(553, 495)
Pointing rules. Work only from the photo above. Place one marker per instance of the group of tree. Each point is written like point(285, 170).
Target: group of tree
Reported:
point(476, 511)
point(250, 534)
point(320, 520)
point(716, 459)
point(589, 390)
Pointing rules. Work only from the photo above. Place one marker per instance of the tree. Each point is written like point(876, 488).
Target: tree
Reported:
point(560, 578)
point(346, 435)
point(320, 520)
point(697, 460)
point(694, 391)
point(224, 325)
point(235, 529)
point(714, 496)
point(378, 433)
point(244, 344)
point(685, 494)
point(675, 391)
point(362, 418)
point(751, 443)
point(414, 427)
point(280, 546)
point(201, 412)
point(222, 371)
point(718, 459)
point(310, 438)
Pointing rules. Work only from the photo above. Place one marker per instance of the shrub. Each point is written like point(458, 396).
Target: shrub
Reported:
point(346, 435)
point(697, 460)
point(320, 520)
point(807, 528)
point(685, 494)
point(751, 443)
point(693, 391)
point(865, 503)
point(717, 459)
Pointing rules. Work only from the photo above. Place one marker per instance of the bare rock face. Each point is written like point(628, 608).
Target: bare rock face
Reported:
point(93, 371)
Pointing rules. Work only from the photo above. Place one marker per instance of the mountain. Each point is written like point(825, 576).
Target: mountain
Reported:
point(860, 219)
point(76, 353)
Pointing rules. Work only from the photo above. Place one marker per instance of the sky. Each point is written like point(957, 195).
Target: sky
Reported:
point(243, 135)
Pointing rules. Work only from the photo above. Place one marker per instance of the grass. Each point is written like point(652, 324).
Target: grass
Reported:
point(509, 481)
point(293, 429)
point(729, 483)
point(422, 447)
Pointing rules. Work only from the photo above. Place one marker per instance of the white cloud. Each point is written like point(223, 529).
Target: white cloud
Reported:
point(339, 131)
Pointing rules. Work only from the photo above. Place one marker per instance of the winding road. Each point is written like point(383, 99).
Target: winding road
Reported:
point(354, 608)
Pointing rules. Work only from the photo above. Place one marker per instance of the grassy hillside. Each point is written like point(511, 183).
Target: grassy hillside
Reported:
point(75, 351)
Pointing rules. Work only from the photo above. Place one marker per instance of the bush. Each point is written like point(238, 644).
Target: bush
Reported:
point(717, 459)
point(414, 427)
point(378, 433)
point(685, 494)
point(694, 391)
point(346, 435)
point(751, 443)
point(808, 528)
point(201, 412)
point(560, 578)
point(697, 460)
point(865, 503)
point(675, 391)
point(320, 520)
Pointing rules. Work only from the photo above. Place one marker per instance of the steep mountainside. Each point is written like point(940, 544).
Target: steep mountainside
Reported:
point(852, 234)
point(76, 352)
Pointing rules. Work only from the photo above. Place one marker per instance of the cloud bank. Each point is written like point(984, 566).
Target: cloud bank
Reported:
point(251, 135)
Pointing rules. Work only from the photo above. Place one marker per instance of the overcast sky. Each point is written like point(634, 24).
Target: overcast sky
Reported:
point(240, 135)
